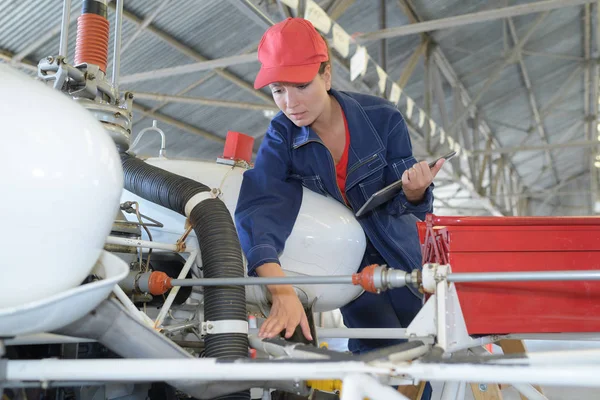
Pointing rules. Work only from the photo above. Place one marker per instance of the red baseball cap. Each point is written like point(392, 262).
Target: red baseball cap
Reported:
point(290, 51)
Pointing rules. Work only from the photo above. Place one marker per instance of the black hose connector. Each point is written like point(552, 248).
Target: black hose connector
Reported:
point(219, 246)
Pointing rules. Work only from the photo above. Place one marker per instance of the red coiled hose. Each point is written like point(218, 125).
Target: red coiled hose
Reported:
point(92, 40)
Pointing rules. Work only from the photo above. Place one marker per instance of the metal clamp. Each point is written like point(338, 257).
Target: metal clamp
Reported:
point(199, 198)
point(224, 326)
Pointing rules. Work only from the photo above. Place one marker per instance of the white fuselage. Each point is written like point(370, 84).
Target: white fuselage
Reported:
point(326, 238)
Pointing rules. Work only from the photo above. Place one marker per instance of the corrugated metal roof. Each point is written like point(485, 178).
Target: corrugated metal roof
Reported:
point(214, 29)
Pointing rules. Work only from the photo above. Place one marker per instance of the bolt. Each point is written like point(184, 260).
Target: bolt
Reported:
point(130, 95)
point(210, 326)
point(91, 77)
point(482, 387)
point(50, 59)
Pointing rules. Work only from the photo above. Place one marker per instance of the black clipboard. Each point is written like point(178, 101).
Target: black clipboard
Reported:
point(389, 192)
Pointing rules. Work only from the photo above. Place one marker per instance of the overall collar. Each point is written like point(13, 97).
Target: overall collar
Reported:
point(365, 153)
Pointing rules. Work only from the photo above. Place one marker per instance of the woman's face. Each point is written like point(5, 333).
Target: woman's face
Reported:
point(303, 103)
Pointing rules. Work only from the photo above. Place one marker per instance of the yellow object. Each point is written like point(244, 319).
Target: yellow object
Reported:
point(330, 385)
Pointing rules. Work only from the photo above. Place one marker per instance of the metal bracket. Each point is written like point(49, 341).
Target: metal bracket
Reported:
point(224, 326)
point(198, 198)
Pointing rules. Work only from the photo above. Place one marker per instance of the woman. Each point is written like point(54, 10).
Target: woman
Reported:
point(345, 145)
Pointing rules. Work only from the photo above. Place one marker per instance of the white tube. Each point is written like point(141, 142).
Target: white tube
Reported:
point(450, 391)
point(133, 310)
point(204, 369)
point(529, 391)
point(549, 374)
point(359, 386)
point(441, 293)
point(462, 387)
point(143, 243)
point(171, 297)
point(44, 338)
point(588, 356)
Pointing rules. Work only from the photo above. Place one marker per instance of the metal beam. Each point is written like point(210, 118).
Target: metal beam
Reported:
point(593, 111)
point(8, 57)
point(472, 18)
point(147, 21)
point(554, 56)
point(541, 147)
point(589, 132)
point(338, 7)
point(284, 10)
point(498, 71)
point(179, 124)
point(189, 68)
point(480, 126)
point(532, 102)
point(382, 42)
point(203, 101)
point(554, 190)
point(251, 48)
point(194, 55)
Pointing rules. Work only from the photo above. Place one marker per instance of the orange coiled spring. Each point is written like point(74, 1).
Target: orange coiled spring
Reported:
point(92, 40)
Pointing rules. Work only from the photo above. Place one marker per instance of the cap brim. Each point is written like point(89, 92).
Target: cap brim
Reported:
point(291, 74)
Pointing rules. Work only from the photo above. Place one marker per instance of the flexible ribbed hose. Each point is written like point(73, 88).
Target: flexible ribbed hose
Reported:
point(219, 247)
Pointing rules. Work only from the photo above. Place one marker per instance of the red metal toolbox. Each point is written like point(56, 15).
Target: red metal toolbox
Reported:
point(518, 244)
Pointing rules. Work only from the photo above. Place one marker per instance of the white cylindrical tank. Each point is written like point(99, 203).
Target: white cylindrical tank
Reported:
point(61, 181)
point(326, 238)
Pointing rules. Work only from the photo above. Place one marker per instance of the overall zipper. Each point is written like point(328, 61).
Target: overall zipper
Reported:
point(357, 166)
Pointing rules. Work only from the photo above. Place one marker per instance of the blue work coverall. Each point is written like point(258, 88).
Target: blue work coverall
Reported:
point(380, 151)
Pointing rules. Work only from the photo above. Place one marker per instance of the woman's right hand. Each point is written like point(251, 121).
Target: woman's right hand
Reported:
point(286, 310)
point(286, 314)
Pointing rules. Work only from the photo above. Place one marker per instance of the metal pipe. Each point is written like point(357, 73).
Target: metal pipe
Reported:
point(145, 243)
point(529, 276)
point(64, 29)
point(133, 310)
point(549, 374)
point(204, 101)
point(563, 357)
point(44, 338)
point(529, 391)
point(462, 387)
point(290, 280)
point(171, 297)
point(117, 45)
point(154, 127)
point(209, 369)
point(189, 68)
point(361, 386)
point(450, 391)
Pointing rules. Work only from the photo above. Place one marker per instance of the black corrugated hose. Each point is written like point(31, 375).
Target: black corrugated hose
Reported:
point(219, 246)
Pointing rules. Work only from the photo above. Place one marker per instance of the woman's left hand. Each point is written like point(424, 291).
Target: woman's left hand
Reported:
point(417, 179)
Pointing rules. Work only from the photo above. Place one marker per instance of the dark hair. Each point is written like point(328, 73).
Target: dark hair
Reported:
point(324, 64)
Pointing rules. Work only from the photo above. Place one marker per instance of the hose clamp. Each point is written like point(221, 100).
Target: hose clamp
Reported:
point(197, 199)
point(224, 326)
